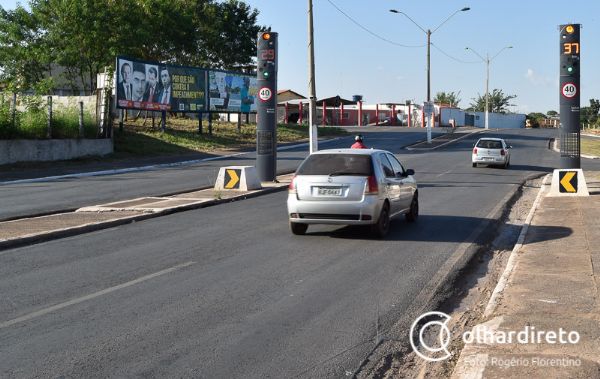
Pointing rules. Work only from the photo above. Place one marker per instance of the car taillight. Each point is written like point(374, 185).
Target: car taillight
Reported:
point(292, 186)
point(372, 187)
point(502, 152)
point(475, 150)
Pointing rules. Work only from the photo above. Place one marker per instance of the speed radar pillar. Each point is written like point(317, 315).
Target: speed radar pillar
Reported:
point(570, 48)
point(266, 109)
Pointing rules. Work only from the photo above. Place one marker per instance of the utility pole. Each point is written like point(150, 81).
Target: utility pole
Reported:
point(428, 65)
point(487, 92)
point(312, 109)
point(487, 60)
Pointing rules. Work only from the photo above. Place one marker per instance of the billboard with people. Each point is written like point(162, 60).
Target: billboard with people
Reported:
point(159, 87)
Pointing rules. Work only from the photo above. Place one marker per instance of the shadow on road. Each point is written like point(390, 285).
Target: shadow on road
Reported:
point(436, 228)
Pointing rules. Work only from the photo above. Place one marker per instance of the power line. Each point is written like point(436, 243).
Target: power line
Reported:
point(369, 31)
point(450, 56)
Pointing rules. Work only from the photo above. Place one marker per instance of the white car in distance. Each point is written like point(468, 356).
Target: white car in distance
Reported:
point(491, 151)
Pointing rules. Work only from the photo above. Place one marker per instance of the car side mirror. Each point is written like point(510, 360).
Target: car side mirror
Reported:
point(409, 172)
point(509, 147)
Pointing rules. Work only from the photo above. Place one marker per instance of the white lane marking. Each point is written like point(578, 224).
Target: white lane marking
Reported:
point(145, 168)
point(78, 300)
point(444, 173)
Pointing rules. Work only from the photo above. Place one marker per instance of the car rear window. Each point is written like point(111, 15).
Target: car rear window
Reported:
point(489, 144)
point(336, 164)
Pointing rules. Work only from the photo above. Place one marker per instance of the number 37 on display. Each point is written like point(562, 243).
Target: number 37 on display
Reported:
point(571, 48)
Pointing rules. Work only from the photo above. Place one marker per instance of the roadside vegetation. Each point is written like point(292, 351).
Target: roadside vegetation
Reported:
point(32, 122)
point(83, 37)
point(182, 137)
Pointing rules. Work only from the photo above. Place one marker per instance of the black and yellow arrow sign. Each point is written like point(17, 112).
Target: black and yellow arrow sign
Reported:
point(568, 181)
point(232, 178)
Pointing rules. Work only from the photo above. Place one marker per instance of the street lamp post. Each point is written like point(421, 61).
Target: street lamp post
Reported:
point(487, 61)
point(312, 110)
point(429, 32)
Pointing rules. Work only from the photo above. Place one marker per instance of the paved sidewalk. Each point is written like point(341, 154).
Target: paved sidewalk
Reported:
point(552, 287)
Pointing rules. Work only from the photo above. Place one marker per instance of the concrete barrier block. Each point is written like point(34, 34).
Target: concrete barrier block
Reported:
point(237, 178)
point(568, 182)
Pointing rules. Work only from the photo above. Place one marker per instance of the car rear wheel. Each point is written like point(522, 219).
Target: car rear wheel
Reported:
point(298, 229)
point(382, 227)
point(413, 214)
point(474, 164)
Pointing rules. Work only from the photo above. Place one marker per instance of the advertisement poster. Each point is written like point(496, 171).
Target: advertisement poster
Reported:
point(231, 92)
point(157, 87)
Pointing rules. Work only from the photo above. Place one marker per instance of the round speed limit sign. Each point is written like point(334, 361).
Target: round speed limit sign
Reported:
point(569, 90)
point(265, 94)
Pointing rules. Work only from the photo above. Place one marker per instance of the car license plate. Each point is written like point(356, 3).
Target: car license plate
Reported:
point(329, 191)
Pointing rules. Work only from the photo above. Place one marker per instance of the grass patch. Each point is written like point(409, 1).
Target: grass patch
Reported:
point(65, 124)
point(590, 146)
point(182, 137)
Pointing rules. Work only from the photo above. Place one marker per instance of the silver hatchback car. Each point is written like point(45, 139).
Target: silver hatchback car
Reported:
point(351, 187)
point(491, 151)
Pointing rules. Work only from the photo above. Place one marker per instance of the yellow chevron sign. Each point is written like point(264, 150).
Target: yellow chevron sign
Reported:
point(568, 181)
point(232, 178)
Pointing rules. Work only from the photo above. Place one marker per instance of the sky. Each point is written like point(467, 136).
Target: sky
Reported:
point(358, 52)
point(349, 60)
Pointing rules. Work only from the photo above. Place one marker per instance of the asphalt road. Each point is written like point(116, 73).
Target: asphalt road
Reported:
point(228, 291)
point(23, 199)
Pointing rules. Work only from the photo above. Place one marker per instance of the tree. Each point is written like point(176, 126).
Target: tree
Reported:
point(498, 102)
point(24, 55)
point(552, 113)
point(85, 36)
point(447, 98)
point(589, 115)
point(535, 119)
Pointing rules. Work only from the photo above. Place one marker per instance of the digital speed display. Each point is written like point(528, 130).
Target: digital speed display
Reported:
point(571, 48)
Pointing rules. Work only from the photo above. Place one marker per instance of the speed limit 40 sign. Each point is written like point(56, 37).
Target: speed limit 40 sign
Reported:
point(265, 94)
point(569, 90)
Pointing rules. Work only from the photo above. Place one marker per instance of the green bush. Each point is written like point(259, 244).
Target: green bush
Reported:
point(32, 124)
point(7, 130)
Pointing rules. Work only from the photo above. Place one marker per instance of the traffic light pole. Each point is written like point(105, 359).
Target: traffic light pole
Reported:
point(266, 109)
point(570, 127)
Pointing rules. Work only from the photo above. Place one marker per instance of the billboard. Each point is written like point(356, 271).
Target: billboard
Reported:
point(232, 92)
point(160, 87)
